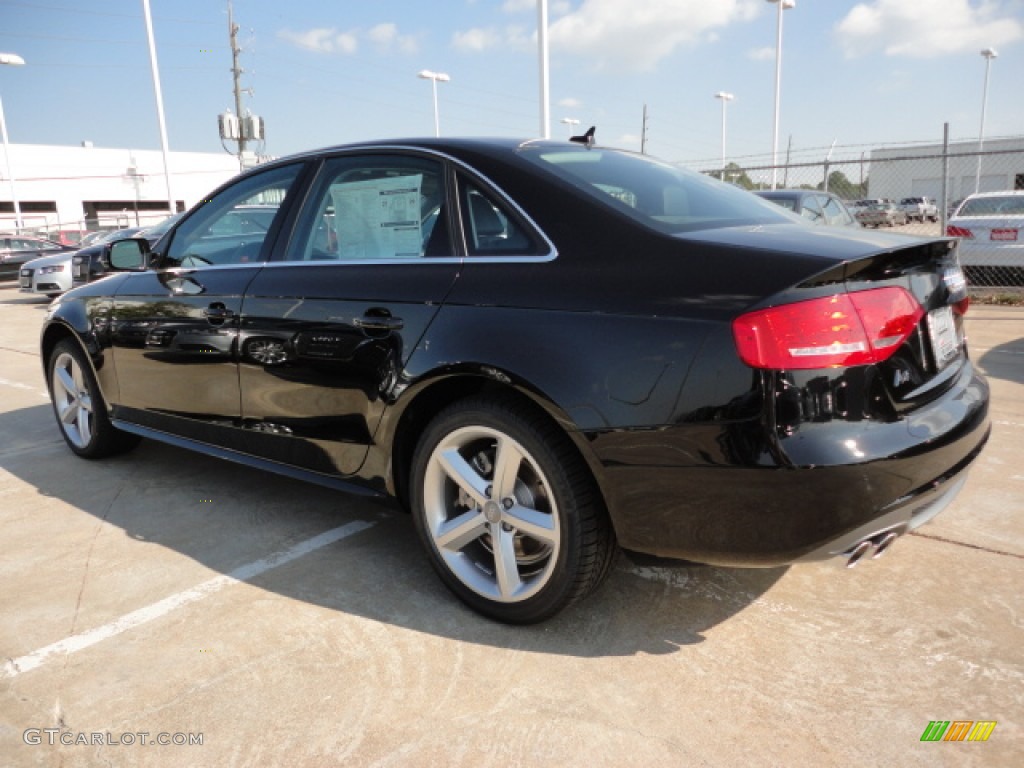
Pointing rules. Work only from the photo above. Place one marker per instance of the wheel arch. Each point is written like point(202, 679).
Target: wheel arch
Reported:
point(55, 332)
point(403, 432)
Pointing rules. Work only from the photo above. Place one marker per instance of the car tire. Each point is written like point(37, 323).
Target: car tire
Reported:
point(486, 470)
point(79, 407)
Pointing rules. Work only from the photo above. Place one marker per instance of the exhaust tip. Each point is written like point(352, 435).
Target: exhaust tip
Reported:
point(884, 543)
point(857, 553)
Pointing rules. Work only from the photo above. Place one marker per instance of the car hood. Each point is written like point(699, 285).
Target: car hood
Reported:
point(46, 261)
point(830, 243)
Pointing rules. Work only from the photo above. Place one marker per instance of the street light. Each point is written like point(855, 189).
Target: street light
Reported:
point(572, 122)
point(783, 6)
point(433, 77)
point(726, 98)
point(11, 60)
point(989, 54)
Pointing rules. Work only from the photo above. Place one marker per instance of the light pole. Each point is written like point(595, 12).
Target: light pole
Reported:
point(989, 54)
point(726, 98)
point(572, 122)
point(433, 77)
point(782, 6)
point(11, 60)
point(543, 65)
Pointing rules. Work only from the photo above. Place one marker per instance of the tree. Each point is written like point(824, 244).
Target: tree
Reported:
point(736, 175)
point(839, 185)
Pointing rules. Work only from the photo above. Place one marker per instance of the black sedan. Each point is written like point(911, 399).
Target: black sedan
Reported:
point(545, 352)
point(15, 250)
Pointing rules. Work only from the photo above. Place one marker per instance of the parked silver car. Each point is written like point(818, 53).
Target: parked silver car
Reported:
point(881, 214)
point(51, 275)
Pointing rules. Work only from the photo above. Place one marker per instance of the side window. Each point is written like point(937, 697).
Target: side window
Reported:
point(232, 227)
point(835, 213)
point(374, 207)
point(810, 209)
point(490, 228)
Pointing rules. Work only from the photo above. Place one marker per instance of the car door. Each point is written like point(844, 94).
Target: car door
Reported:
point(174, 329)
point(326, 330)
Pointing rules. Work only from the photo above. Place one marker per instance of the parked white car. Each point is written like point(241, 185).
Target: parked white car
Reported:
point(990, 226)
point(919, 208)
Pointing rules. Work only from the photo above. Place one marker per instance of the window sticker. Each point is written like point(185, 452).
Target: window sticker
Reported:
point(379, 218)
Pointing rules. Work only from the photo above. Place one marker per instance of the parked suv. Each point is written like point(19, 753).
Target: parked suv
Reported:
point(919, 208)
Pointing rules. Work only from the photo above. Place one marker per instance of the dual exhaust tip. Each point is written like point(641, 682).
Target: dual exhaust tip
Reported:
point(875, 546)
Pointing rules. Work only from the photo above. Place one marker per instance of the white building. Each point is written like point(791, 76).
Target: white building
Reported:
point(86, 188)
point(916, 171)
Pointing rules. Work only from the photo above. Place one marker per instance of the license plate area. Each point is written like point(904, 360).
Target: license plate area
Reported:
point(1005, 235)
point(944, 337)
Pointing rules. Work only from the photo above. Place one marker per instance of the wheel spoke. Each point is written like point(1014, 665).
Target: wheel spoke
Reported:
point(66, 382)
point(84, 423)
point(76, 375)
point(530, 522)
point(68, 412)
point(507, 459)
point(505, 568)
point(457, 533)
point(464, 476)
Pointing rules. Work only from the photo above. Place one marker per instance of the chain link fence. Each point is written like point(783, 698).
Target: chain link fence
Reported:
point(928, 183)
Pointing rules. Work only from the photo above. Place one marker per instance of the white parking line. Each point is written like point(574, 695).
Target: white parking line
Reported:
point(15, 667)
point(19, 385)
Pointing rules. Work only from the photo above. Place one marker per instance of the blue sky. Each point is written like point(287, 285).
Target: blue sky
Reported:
point(332, 71)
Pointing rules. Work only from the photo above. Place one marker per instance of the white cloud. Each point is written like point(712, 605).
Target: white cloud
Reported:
point(476, 40)
point(570, 103)
point(762, 54)
point(926, 30)
point(322, 40)
point(639, 37)
point(633, 37)
point(385, 37)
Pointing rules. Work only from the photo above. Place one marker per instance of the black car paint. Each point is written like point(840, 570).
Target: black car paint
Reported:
point(696, 454)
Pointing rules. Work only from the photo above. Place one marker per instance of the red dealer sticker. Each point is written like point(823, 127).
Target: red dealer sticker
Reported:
point(1003, 234)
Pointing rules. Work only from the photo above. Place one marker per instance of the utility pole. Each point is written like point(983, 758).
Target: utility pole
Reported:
point(236, 73)
point(238, 127)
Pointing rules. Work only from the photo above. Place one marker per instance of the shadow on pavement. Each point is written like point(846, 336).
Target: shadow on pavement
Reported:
point(224, 515)
point(1005, 361)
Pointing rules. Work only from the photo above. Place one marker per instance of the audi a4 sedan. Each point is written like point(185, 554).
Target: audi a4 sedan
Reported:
point(51, 275)
point(546, 352)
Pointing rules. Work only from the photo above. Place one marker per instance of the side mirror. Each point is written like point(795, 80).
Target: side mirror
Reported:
point(130, 255)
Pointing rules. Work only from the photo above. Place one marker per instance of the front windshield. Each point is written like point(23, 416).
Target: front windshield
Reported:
point(657, 194)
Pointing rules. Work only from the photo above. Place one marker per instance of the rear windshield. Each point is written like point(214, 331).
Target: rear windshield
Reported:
point(993, 206)
point(657, 194)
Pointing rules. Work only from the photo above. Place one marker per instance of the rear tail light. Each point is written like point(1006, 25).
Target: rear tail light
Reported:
point(952, 231)
point(846, 329)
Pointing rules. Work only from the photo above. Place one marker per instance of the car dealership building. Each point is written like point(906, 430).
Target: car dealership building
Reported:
point(70, 189)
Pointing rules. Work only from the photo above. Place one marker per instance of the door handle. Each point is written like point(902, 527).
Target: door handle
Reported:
point(379, 323)
point(217, 312)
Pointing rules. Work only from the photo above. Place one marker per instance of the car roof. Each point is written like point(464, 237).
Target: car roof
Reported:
point(1004, 193)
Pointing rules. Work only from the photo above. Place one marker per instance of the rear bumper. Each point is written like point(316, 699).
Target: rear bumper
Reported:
point(730, 510)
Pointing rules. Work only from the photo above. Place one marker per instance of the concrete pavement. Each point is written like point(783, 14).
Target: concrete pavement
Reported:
point(167, 596)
